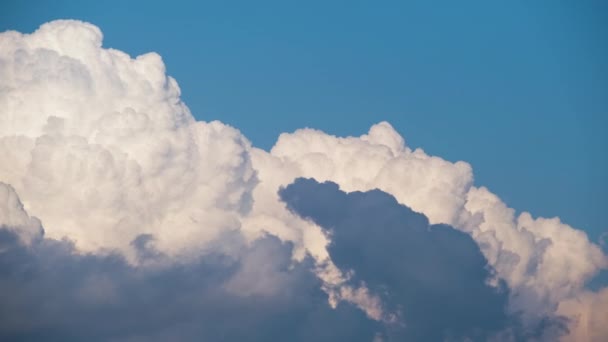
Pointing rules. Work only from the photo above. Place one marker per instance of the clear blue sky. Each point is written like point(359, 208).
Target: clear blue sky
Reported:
point(519, 89)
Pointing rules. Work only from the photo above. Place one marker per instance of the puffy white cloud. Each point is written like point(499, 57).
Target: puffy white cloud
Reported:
point(101, 148)
point(380, 160)
point(543, 260)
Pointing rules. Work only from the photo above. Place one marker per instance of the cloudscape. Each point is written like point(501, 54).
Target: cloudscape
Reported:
point(124, 218)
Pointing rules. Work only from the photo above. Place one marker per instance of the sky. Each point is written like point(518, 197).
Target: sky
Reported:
point(516, 89)
point(296, 171)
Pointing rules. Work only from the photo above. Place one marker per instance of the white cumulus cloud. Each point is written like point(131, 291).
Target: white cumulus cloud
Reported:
point(101, 148)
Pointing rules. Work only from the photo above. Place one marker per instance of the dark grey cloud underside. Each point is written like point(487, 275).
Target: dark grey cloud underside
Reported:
point(433, 275)
point(50, 293)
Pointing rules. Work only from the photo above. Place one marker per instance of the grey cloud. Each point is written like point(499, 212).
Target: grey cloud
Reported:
point(434, 276)
point(49, 292)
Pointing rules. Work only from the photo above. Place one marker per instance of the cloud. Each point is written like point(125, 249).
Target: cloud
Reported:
point(51, 291)
point(589, 313)
point(14, 218)
point(543, 261)
point(107, 138)
point(434, 278)
point(105, 155)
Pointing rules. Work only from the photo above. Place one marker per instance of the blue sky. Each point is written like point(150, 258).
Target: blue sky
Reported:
point(518, 90)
